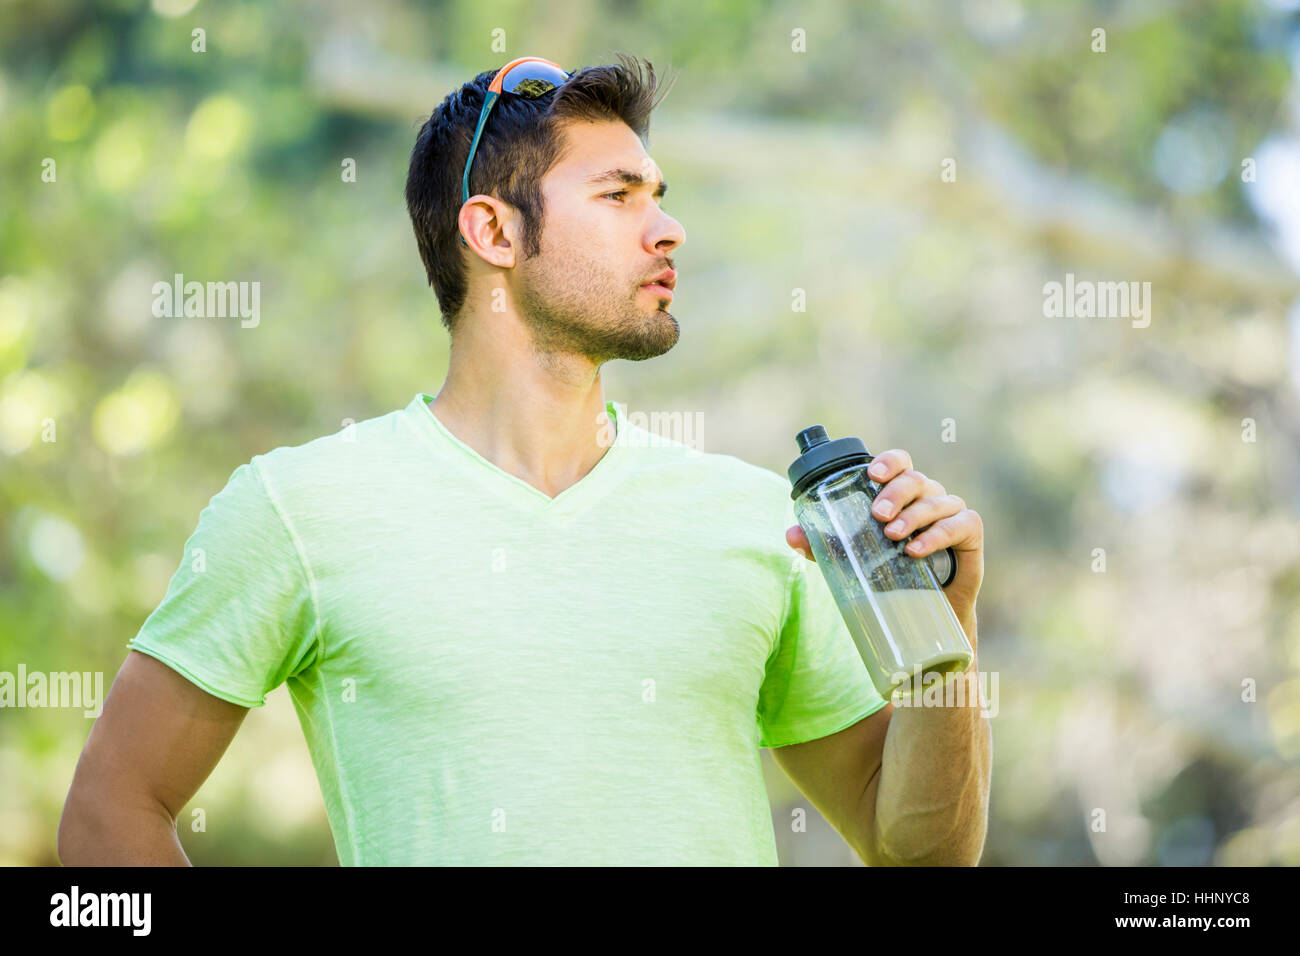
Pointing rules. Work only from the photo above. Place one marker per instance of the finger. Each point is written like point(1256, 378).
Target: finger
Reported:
point(963, 531)
point(922, 513)
point(889, 463)
point(902, 491)
point(797, 539)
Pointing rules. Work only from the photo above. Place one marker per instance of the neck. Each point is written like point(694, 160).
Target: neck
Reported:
point(536, 415)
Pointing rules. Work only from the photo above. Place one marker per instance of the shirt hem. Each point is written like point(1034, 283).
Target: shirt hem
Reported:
point(801, 739)
point(189, 674)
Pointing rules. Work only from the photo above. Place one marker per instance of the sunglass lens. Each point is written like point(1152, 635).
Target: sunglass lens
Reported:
point(533, 79)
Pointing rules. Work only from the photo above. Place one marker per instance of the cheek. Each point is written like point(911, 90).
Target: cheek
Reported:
point(590, 246)
point(601, 223)
point(570, 237)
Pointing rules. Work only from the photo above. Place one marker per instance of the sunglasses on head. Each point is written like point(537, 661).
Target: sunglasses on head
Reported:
point(529, 77)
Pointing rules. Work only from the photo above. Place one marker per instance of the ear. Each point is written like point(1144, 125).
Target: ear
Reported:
point(487, 225)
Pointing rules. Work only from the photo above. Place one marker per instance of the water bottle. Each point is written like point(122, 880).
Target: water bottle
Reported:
point(892, 602)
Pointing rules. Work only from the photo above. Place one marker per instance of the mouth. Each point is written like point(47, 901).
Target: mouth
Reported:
point(658, 289)
point(663, 284)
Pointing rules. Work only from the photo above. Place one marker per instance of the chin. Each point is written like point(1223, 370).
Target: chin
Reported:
point(659, 336)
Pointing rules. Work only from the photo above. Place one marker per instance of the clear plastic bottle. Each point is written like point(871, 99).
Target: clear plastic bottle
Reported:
point(892, 602)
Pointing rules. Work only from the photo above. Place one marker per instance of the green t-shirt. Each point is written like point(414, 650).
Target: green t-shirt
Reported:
point(486, 675)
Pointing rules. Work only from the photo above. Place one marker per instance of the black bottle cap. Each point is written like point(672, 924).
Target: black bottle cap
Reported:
point(819, 456)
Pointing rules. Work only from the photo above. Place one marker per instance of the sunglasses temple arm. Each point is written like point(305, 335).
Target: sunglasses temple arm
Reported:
point(473, 146)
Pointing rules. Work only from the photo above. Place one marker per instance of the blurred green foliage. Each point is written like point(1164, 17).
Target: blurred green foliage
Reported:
point(816, 169)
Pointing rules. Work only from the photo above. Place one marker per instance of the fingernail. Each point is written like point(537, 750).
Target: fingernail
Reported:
point(894, 527)
point(914, 546)
point(878, 469)
point(884, 508)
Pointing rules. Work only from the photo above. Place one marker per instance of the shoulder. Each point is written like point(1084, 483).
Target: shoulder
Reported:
point(654, 443)
point(344, 460)
point(722, 486)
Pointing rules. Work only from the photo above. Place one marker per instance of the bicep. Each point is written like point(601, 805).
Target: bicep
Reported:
point(157, 740)
point(840, 773)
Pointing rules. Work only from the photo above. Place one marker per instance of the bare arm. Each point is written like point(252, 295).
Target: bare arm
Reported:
point(931, 799)
point(147, 755)
point(926, 771)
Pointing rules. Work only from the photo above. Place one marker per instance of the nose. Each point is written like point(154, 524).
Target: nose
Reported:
point(665, 235)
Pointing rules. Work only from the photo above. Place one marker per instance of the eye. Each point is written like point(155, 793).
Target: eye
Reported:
point(620, 193)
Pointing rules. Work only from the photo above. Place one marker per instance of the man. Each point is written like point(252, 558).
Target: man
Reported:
point(516, 630)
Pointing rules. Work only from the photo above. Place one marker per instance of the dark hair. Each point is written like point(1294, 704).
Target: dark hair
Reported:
point(521, 143)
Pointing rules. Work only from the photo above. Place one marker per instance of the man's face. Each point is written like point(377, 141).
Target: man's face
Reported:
point(604, 239)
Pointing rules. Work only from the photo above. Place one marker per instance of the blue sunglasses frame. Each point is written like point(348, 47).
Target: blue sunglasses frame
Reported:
point(547, 76)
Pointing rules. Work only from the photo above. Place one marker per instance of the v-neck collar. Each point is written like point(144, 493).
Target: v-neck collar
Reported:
point(586, 489)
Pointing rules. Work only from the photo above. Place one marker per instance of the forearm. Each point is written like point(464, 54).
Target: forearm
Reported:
point(931, 804)
point(118, 835)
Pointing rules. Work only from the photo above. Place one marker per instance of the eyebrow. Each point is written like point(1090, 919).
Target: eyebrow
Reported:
point(627, 177)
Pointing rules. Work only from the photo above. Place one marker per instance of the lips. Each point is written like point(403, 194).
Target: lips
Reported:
point(666, 279)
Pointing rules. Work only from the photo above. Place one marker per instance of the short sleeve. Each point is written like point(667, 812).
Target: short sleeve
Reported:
point(238, 617)
point(816, 683)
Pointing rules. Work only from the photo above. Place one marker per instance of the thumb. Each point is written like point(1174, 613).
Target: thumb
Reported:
point(797, 539)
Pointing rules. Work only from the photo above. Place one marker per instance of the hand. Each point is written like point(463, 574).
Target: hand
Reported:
point(919, 502)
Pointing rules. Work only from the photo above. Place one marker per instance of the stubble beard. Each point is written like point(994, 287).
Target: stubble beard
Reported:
point(585, 311)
